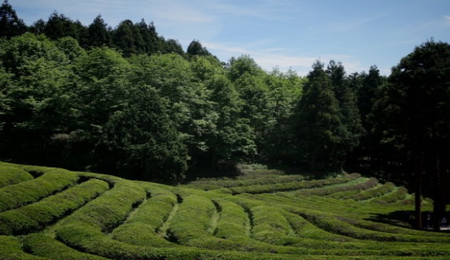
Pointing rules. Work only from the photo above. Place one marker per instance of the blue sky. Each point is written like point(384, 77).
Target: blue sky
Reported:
point(276, 33)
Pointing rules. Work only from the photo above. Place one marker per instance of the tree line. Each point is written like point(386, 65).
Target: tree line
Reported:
point(126, 101)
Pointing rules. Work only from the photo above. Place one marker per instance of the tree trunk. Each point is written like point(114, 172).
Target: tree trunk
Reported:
point(418, 192)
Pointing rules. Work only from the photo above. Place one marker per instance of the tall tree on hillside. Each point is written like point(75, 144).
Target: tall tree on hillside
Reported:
point(141, 141)
point(196, 48)
point(58, 26)
point(10, 24)
point(173, 46)
point(350, 131)
point(150, 37)
point(37, 75)
point(317, 118)
point(99, 34)
point(284, 90)
point(125, 38)
point(416, 105)
point(232, 138)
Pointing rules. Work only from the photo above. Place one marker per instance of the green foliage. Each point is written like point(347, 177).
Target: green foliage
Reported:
point(12, 175)
point(196, 48)
point(140, 220)
point(295, 185)
point(233, 222)
point(11, 249)
point(30, 191)
point(10, 24)
point(36, 215)
point(192, 219)
point(142, 228)
point(141, 139)
point(50, 248)
point(317, 118)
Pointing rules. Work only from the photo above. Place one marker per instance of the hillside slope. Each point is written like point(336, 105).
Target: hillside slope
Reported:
point(49, 213)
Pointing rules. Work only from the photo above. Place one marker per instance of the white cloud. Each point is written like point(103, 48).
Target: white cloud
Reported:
point(447, 20)
point(269, 59)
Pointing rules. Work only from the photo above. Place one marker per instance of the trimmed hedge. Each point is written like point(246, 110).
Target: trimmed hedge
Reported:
point(372, 193)
point(11, 249)
point(233, 222)
point(111, 209)
point(23, 193)
point(35, 216)
point(289, 186)
point(228, 183)
point(399, 194)
point(192, 220)
point(50, 248)
point(369, 183)
point(141, 228)
point(12, 175)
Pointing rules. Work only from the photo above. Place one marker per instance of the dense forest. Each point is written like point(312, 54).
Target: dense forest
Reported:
point(128, 102)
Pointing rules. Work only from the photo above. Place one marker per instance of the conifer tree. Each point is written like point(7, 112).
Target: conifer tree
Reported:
point(99, 34)
point(10, 24)
point(350, 130)
point(318, 118)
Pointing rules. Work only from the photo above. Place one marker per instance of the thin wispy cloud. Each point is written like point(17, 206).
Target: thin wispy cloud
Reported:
point(447, 20)
point(269, 59)
point(276, 33)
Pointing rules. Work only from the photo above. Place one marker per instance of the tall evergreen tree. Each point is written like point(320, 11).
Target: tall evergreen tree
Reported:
point(10, 24)
point(150, 38)
point(99, 34)
point(58, 26)
point(124, 38)
point(196, 48)
point(416, 104)
point(317, 118)
point(350, 130)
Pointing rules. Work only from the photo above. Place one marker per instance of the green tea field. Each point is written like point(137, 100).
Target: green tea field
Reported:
point(50, 213)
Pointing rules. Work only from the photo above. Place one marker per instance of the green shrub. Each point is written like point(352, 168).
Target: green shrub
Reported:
point(141, 228)
point(258, 180)
point(192, 220)
point(39, 214)
point(12, 175)
point(269, 224)
point(368, 194)
point(26, 192)
point(50, 248)
point(233, 222)
point(11, 249)
point(111, 209)
point(288, 186)
point(395, 196)
point(339, 188)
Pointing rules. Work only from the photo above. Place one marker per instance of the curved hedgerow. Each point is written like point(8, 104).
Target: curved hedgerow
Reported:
point(398, 194)
point(50, 248)
point(111, 209)
point(228, 183)
point(373, 193)
point(35, 216)
point(30, 191)
point(11, 249)
point(289, 186)
point(192, 220)
point(142, 227)
point(233, 222)
point(367, 183)
point(99, 216)
point(12, 175)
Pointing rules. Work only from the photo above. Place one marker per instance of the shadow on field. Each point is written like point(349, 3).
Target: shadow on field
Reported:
point(405, 219)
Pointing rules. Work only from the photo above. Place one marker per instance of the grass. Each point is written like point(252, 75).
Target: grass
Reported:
point(49, 213)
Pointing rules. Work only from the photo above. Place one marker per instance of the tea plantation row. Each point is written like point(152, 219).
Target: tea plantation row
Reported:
point(48, 213)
